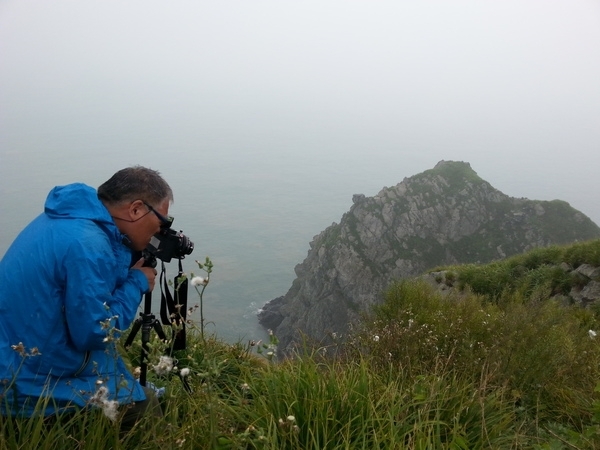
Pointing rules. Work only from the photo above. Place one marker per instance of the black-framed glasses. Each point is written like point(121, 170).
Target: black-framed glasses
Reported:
point(165, 222)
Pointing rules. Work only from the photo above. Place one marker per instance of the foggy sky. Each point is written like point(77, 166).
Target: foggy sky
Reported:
point(510, 86)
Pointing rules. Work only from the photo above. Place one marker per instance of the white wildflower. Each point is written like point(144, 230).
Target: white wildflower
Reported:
point(110, 408)
point(291, 418)
point(19, 348)
point(592, 334)
point(376, 338)
point(199, 281)
point(185, 372)
point(100, 395)
point(164, 366)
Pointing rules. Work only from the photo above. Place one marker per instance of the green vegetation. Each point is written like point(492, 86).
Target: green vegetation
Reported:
point(332, 236)
point(526, 274)
point(458, 174)
point(561, 228)
point(497, 365)
point(534, 360)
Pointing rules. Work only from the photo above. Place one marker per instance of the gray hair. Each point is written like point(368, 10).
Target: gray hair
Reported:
point(135, 183)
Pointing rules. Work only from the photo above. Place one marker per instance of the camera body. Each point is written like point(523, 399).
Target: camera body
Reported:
point(168, 244)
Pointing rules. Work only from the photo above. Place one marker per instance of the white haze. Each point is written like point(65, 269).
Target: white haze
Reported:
point(267, 116)
point(509, 86)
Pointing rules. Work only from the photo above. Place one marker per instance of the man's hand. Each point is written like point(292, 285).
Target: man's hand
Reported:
point(150, 272)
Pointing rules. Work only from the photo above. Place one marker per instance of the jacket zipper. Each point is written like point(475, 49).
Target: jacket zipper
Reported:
point(86, 360)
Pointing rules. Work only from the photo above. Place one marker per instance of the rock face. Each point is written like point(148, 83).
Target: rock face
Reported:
point(446, 215)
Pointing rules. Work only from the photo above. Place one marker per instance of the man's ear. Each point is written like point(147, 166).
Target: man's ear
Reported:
point(137, 209)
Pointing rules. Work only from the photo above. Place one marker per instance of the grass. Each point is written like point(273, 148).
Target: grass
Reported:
point(504, 368)
point(528, 272)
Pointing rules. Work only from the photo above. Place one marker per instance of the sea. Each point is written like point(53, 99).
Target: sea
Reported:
point(249, 203)
point(251, 199)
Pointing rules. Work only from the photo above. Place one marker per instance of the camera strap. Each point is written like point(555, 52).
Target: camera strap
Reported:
point(173, 310)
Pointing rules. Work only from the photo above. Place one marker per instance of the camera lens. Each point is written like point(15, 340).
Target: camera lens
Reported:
point(186, 246)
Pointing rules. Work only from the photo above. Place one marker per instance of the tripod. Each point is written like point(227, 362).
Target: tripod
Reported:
point(148, 321)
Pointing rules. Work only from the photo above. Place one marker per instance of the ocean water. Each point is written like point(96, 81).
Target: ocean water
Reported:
point(250, 196)
point(251, 204)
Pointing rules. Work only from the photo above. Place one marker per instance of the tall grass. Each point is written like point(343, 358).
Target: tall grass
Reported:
point(532, 352)
point(509, 370)
point(370, 401)
point(528, 342)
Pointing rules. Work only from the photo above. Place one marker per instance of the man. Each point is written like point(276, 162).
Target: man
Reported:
point(67, 288)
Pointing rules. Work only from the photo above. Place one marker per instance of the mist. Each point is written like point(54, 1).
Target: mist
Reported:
point(266, 117)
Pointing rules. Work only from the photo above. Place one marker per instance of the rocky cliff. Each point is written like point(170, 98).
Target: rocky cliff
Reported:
point(443, 216)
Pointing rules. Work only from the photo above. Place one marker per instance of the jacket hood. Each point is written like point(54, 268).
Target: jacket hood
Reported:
point(76, 201)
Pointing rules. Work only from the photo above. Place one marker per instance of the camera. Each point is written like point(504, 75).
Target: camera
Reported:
point(168, 244)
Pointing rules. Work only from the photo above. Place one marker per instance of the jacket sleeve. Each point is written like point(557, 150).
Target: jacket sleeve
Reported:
point(101, 293)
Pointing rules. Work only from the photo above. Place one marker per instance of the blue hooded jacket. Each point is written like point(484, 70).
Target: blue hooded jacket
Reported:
point(65, 291)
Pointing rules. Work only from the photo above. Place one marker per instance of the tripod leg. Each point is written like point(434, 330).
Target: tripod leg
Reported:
point(159, 330)
point(144, 353)
point(134, 330)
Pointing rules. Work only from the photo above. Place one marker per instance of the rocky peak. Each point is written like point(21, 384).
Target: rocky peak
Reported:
point(445, 215)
